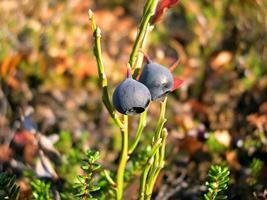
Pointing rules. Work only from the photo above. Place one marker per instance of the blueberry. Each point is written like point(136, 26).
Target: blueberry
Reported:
point(157, 78)
point(131, 96)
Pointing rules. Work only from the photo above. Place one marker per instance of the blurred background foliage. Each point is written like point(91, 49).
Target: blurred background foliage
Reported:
point(218, 116)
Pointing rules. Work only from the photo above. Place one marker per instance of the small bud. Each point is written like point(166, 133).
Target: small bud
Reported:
point(90, 13)
point(98, 32)
point(164, 133)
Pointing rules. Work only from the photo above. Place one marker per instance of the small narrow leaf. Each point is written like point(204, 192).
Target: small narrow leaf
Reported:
point(161, 8)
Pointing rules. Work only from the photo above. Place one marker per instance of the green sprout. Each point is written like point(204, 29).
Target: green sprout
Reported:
point(85, 184)
point(40, 190)
point(217, 183)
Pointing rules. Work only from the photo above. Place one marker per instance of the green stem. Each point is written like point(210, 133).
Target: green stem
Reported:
point(160, 165)
point(150, 173)
point(140, 55)
point(148, 13)
point(141, 125)
point(123, 159)
point(101, 71)
point(162, 119)
point(160, 126)
point(144, 178)
point(147, 6)
point(147, 167)
point(162, 148)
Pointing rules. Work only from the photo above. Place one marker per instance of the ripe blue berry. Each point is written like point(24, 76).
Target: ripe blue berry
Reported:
point(157, 78)
point(131, 96)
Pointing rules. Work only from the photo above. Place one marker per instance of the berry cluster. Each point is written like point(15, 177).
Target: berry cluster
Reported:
point(155, 82)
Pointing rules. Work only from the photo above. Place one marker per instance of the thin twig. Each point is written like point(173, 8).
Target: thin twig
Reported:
point(101, 71)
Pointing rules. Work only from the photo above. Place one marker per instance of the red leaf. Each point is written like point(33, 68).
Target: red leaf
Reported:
point(161, 8)
point(176, 83)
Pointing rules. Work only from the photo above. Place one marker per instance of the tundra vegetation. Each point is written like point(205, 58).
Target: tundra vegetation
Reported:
point(153, 99)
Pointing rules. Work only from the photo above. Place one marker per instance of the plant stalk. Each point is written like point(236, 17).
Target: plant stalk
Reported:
point(123, 160)
point(147, 167)
point(101, 71)
point(151, 170)
point(148, 13)
point(160, 164)
point(141, 125)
